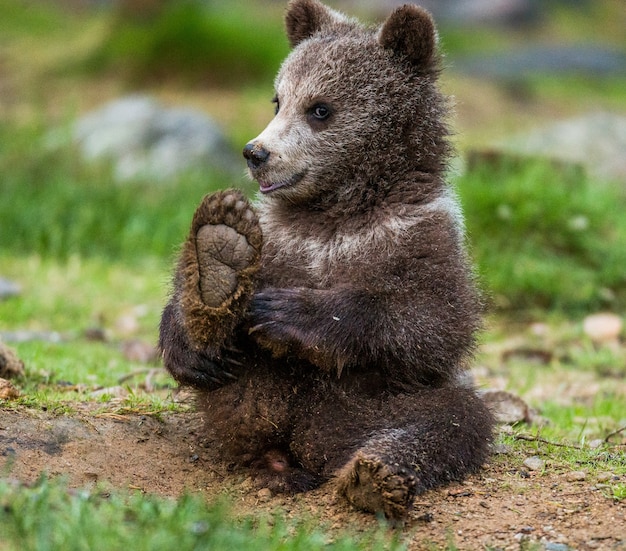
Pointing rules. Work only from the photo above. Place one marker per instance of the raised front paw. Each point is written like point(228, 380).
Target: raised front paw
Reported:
point(218, 265)
point(373, 485)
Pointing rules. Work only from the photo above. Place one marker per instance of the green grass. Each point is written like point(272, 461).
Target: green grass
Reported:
point(216, 43)
point(21, 19)
point(546, 236)
point(71, 297)
point(49, 516)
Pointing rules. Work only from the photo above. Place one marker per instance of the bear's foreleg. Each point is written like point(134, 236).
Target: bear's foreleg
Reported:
point(213, 286)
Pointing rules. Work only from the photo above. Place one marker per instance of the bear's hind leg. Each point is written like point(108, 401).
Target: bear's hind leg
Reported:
point(432, 437)
point(213, 285)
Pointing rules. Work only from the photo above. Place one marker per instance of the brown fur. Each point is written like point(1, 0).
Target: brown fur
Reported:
point(337, 349)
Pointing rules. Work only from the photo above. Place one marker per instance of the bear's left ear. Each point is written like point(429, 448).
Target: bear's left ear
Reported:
point(304, 18)
point(410, 30)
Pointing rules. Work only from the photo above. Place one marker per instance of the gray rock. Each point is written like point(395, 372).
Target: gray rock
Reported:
point(596, 141)
point(142, 138)
point(524, 62)
point(534, 463)
point(507, 408)
point(553, 546)
point(9, 288)
point(28, 336)
point(458, 12)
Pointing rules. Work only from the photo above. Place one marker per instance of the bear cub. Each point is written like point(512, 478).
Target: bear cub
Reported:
point(327, 326)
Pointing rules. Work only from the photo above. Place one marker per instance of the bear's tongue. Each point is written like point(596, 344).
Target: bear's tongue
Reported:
point(266, 187)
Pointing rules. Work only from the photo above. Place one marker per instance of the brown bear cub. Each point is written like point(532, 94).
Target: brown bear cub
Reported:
point(327, 327)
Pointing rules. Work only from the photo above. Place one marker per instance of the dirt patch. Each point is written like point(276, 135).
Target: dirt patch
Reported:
point(503, 507)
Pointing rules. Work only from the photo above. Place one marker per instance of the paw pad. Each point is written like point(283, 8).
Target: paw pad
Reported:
point(218, 266)
point(376, 486)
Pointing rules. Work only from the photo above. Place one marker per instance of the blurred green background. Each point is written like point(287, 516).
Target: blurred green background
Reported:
point(545, 235)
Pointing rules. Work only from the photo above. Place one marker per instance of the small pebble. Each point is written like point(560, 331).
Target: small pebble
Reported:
point(111, 391)
point(127, 325)
point(604, 477)
point(247, 484)
point(552, 546)
point(534, 463)
point(501, 449)
point(140, 351)
point(264, 494)
point(576, 476)
point(506, 407)
point(603, 327)
point(8, 391)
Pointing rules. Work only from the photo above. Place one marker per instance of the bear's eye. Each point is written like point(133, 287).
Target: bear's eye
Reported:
point(276, 105)
point(319, 115)
point(320, 111)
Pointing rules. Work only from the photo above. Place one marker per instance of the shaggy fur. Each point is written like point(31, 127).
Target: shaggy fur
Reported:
point(336, 348)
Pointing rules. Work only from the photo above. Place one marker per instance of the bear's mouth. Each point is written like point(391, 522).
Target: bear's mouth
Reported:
point(267, 186)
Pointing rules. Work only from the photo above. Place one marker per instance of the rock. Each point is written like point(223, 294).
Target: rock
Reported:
point(520, 63)
point(9, 288)
point(604, 477)
point(460, 12)
point(28, 336)
point(553, 546)
point(127, 324)
point(10, 365)
point(111, 391)
point(603, 327)
point(7, 390)
point(596, 141)
point(576, 476)
point(96, 334)
point(264, 494)
point(145, 139)
point(506, 407)
point(140, 351)
point(534, 463)
point(247, 484)
point(500, 449)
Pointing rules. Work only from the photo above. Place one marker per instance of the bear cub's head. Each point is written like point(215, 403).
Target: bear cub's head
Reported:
point(355, 106)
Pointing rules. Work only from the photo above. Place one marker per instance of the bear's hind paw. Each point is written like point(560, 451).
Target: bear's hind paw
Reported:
point(373, 485)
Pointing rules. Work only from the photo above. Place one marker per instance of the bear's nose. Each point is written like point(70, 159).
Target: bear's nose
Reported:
point(255, 154)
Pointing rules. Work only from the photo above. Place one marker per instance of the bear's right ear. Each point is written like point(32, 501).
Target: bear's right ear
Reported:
point(306, 17)
point(410, 31)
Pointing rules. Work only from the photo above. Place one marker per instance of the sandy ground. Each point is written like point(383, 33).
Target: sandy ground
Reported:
point(502, 507)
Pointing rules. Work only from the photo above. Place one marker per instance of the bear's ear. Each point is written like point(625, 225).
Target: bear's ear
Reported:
point(410, 30)
point(306, 17)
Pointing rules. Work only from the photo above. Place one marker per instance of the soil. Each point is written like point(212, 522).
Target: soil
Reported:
point(502, 507)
